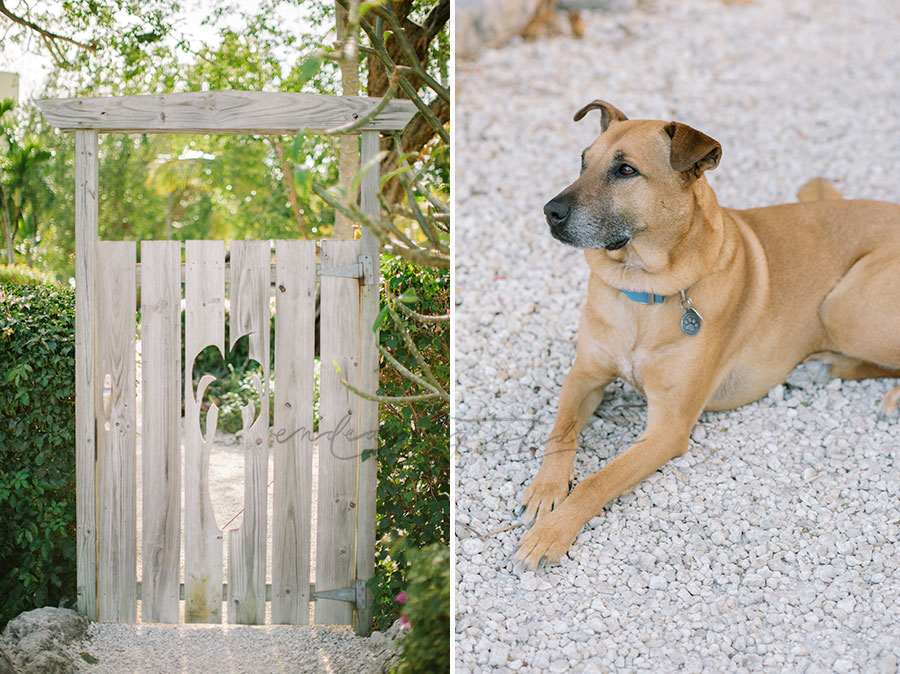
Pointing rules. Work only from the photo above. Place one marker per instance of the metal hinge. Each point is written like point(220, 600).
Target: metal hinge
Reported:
point(357, 595)
point(363, 270)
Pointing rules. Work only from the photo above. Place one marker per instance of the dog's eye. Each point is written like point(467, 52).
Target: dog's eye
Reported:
point(626, 170)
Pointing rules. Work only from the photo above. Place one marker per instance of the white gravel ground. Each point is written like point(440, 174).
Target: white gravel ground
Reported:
point(231, 649)
point(772, 544)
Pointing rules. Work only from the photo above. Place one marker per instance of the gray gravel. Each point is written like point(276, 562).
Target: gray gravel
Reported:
point(232, 649)
point(772, 544)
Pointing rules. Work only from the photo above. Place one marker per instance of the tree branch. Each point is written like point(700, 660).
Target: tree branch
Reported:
point(40, 31)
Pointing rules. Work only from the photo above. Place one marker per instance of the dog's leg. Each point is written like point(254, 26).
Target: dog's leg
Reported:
point(845, 367)
point(581, 393)
point(859, 319)
point(672, 411)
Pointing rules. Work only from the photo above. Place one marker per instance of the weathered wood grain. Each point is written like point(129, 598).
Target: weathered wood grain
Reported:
point(295, 320)
point(222, 112)
point(367, 429)
point(338, 448)
point(115, 402)
point(86, 172)
point(249, 293)
point(204, 325)
point(161, 429)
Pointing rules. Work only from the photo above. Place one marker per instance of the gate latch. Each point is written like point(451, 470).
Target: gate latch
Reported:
point(362, 270)
point(357, 595)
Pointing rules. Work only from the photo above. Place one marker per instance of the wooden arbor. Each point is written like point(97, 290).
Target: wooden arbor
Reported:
point(106, 582)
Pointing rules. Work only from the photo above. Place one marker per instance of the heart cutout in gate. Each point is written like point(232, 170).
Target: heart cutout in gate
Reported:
point(233, 383)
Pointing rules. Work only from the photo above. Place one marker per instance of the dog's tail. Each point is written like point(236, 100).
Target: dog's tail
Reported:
point(818, 189)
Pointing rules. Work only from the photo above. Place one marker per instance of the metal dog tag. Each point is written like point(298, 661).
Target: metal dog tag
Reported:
point(690, 322)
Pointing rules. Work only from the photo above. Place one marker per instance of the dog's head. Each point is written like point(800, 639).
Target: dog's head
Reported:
point(637, 180)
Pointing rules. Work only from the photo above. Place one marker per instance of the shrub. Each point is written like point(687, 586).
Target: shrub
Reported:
point(21, 275)
point(37, 441)
point(414, 460)
point(426, 607)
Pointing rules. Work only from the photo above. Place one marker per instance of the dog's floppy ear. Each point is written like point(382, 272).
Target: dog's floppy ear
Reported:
point(692, 152)
point(609, 113)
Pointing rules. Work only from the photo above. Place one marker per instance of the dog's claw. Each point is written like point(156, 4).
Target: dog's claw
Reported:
point(519, 511)
point(542, 562)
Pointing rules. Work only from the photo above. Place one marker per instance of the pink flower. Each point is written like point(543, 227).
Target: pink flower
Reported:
point(400, 598)
point(404, 622)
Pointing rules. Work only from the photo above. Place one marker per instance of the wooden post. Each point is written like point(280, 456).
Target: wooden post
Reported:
point(367, 419)
point(86, 172)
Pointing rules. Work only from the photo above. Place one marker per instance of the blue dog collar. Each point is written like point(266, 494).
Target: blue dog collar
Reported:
point(643, 298)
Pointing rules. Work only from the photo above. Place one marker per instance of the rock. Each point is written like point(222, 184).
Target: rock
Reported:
point(48, 662)
point(598, 5)
point(482, 23)
point(658, 583)
point(6, 665)
point(35, 640)
point(887, 664)
point(63, 624)
point(387, 646)
point(472, 546)
point(499, 655)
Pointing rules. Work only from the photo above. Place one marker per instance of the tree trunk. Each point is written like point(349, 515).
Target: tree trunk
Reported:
point(170, 206)
point(349, 163)
point(9, 235)
point(287, 177)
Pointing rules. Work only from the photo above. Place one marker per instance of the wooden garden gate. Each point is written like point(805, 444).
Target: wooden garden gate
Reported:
point(107, 275)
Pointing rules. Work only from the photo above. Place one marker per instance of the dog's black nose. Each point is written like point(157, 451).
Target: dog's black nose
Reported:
point(557, 211)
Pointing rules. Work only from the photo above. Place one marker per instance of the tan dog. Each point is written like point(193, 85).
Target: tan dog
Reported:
point(772, 285)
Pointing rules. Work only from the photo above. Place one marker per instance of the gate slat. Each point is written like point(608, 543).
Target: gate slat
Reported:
point(338, 452)
point(160, 434)
point(204, 325)
point(249, 294)
point(115, 404)
point(295, 297)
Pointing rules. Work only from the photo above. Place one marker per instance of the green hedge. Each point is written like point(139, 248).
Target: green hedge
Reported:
point(414, 458)
point(21, 275)
point(37, 440)
point(426, 611)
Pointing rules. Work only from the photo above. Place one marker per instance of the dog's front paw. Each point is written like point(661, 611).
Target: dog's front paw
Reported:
point(890, 404)
point(548, 489)
point(548, 540)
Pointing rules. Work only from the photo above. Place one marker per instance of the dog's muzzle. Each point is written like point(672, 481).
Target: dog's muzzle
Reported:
point(558, 212)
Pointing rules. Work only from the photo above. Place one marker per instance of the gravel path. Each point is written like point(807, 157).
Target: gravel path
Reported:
point(231, 649)
point(772, 544)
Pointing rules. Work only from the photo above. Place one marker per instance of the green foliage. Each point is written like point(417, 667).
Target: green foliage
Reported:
point(233, 387)
point(414, 459)
point(26, 276)
point(23, 191)
point(37, 440)
point(426, 647)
